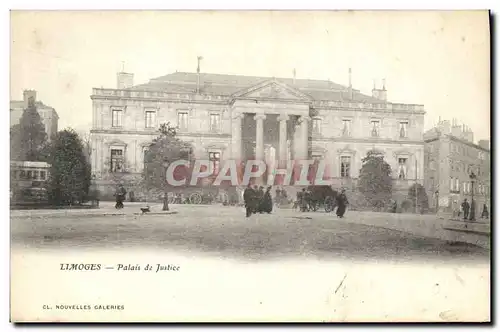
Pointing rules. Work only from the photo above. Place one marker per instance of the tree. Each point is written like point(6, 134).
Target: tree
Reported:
point(15, 143)
point(418, 191)
point(375, 182)
point(70, 173)
point(164, 150)
point(87, 145)
point(30, 137)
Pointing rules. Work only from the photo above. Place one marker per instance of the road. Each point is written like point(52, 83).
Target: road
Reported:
point(224, 231)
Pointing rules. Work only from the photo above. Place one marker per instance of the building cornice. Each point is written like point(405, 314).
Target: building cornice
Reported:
point(473, 145)
point(343, 139)
point(156, 133)
point(160, 100)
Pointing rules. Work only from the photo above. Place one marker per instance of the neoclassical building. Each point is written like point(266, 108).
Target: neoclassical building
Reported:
point(242, 117)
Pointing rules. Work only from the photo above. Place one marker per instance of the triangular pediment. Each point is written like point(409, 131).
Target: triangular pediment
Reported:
point(272, 89)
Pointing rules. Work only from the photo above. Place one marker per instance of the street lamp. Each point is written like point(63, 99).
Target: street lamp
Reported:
point(472, 217)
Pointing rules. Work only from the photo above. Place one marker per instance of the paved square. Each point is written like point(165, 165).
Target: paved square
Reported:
point(225, 231)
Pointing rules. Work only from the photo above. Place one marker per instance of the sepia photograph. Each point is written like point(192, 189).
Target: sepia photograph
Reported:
point(250, 166)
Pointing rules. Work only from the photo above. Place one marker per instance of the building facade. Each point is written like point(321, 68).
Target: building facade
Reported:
point(48, 114)
point(242, 117)
point(451, 158)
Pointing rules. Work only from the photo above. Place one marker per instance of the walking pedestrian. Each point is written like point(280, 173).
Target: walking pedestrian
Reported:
point(248, 198)
point(485, 213)
point(120, 194)
point(465, 208)
point(341, 204)
point(267, 201)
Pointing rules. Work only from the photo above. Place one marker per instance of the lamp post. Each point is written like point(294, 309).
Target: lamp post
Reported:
point(472, 216)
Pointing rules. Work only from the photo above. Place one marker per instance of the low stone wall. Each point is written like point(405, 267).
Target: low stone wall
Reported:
point(432, 226)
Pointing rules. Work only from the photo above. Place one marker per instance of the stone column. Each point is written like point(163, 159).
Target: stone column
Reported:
point(283, 148)
point(259, 136)
point(236, 136)
point(304, 137)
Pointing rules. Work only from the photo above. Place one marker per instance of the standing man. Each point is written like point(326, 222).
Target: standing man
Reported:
point(465, 208)
point(485, 213)
point(341, 203)
point(260, 199)
point(121, 193)
point(267, 201)
point(248, 197)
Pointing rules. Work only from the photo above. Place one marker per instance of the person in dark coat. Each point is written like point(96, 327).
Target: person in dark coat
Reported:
point(260, 199)
point(267, 201)
point(298, 202)
point(485, 213)
point(341, 204)
point(120, 194)
point(465, 208)
point(249, 197)
point(303, 200)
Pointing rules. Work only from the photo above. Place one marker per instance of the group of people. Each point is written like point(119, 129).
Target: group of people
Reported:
point(468, 210)
point(257, 200)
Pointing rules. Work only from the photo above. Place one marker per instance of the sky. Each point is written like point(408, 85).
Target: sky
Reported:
point(438, 59)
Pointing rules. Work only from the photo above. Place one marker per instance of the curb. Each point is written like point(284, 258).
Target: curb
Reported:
point(93, 215)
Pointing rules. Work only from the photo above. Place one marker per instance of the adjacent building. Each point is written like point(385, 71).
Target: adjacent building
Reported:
point(48, 114)
point(246, 117)
point(450, 160)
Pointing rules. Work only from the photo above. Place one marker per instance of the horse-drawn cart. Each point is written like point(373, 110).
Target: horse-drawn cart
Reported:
point(322, 196)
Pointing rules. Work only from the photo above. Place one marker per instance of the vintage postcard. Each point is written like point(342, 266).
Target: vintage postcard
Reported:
point(250, 166)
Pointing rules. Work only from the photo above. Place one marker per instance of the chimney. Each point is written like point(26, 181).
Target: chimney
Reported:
point(124, 80)
point(29, 96)
point(469, 135)
point(456, 129)
point(198, 75)
point(444, 127)
point(350, 84)
point(379, 93)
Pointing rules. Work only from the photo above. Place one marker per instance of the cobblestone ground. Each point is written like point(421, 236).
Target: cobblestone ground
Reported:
point(225, 231)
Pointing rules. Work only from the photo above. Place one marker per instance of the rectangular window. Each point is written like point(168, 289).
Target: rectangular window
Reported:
point(452, 184)
point(30, 175)
point(375, 128)
point(457, 185)
point(214, 162)
point(116, 118)
point(316, 126)
point(150, 119)
point(42, 175)
point(469, 187)
point(35, 175)
point(116, 160)
point(403, 129)
point(214, 123)
point(346, 127)
point(345, 167)
point(23, 175)
point(402, 168)
point(182, 121)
